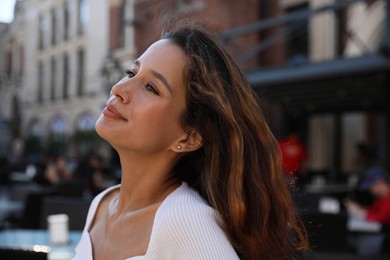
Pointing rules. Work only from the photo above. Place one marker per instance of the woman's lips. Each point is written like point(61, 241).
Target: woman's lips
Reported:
point(110, 112)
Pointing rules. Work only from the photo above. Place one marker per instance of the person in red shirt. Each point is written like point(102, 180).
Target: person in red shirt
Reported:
point(377, 182)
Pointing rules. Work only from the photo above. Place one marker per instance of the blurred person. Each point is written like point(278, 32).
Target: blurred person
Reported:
point(363, 160)
point(16, 155)
point(16, 158)
point(201, 170)
point(94, 175)
point(57, 171)
point(377, 182)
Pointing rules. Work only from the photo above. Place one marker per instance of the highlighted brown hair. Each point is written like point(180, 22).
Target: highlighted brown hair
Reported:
point(238, 168)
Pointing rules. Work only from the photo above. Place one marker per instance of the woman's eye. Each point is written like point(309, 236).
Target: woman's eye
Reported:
point(130, 73)
point(149, 87)
point(152, 89)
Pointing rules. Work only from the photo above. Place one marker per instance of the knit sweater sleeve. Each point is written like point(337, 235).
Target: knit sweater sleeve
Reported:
point(185, 227)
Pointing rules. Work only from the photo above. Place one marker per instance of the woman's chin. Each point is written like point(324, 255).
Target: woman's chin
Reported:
point(99, 127)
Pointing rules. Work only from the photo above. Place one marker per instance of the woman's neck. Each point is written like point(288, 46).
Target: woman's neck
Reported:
point(145, 181)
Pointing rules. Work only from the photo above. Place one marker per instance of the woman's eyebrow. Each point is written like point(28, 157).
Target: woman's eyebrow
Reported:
point(158, 76)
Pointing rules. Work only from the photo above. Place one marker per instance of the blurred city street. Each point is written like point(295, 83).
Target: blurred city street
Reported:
point(321, 69)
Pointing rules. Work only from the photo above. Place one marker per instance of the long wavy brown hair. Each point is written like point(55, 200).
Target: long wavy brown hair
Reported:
point(238, 168)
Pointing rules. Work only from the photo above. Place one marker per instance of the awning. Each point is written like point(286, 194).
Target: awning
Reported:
point(346, 84)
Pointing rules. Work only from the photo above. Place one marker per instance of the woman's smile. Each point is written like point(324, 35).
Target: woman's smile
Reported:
point(110, 112)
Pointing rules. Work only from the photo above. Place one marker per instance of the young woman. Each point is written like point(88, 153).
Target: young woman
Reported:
point(201, 170)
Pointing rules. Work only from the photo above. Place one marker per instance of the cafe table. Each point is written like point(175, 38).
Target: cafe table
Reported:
point(39, 241)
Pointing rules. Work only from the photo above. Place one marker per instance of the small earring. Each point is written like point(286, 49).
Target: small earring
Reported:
point(178, 147)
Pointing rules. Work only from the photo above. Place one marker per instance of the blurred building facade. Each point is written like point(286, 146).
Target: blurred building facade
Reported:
point(52, 84)
point(322, 69)
point(331, 84)
point(61, 57)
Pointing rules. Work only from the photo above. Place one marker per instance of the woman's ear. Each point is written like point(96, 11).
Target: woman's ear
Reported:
point(189, 142)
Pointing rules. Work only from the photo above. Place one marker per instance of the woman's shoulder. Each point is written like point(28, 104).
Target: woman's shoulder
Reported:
point(186, 225)
point(184, 202)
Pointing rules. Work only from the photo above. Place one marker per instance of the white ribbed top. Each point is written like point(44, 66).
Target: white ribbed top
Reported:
point(185, 227)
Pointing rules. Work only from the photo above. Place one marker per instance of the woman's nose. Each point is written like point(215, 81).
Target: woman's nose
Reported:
point(121, 90)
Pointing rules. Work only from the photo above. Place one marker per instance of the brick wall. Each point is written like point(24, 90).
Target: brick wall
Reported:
point(151, 16)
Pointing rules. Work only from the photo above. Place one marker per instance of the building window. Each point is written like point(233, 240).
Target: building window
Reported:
point(21, 60)
point(120, 32)
point(82, 16)
point(58, 126)
point(14, 62)
point(127, 17)
point(53, 27)
point(117, 13)
point(34, 140)
point(58, 133)
point(36, 129)
point(66, 20)
point(52, 79)
point(41, 33)
point(125, 9)
point(297, 39)
point(80, 76)
point(9, 63)
point(40, 82)
point(65, 87)
point(85, 122)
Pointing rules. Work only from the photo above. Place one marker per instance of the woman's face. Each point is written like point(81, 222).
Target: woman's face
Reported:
point(144, 109)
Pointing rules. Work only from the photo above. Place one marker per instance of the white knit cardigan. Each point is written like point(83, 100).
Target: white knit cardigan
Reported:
point(185, 227)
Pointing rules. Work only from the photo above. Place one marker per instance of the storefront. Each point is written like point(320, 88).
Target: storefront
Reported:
point(340, 86)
